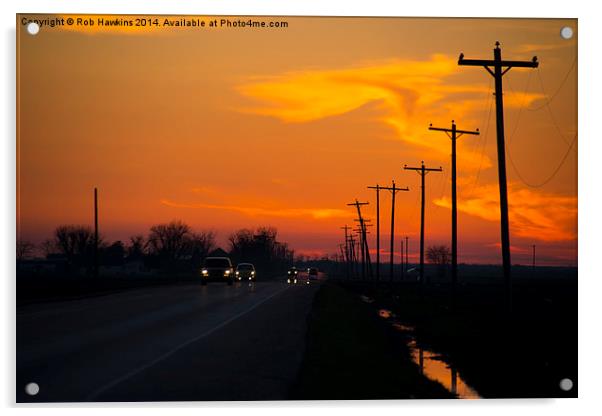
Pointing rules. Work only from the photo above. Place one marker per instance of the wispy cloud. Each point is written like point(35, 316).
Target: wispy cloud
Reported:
point(204, 190)
point(513, 249)
point(314, 213)
point(411, 94)
point(533, 214)
point(537, 48)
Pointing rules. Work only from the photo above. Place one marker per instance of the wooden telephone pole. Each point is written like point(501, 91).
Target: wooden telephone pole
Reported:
point(95, 232)
point(406, 262)
point(364, 243)
point(500, 67)
point(352, 254)
point(363, 232)
point(393, 190)
point(454, 134)
point(401, 274)
point(377, 188)
point(346, 256)
point(422, 171)
point(533, 256)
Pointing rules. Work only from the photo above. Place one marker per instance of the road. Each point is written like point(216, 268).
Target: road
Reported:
point(191, 343)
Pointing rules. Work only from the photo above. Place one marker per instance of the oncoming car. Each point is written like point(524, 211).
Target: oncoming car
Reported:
point(312, 273)
point(245, 271)
point(291, 277)
point(217, 269)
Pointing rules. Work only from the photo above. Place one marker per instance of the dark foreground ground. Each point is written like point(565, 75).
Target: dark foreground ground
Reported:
point(350, 355)
point(271, 341)
point(523, 354)
point(183, 342)
point(267, 341)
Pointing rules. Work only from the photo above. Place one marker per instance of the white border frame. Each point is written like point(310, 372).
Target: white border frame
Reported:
point(589, 213)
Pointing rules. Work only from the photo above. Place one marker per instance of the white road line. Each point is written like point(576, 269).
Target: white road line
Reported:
point(169, 353)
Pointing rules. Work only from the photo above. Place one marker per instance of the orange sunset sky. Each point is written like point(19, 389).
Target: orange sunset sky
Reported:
point(230, 128)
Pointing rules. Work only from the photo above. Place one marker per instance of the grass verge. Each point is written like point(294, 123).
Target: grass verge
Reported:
point(349, 355)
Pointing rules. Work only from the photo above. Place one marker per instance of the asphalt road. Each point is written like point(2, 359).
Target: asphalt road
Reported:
point(191, 343)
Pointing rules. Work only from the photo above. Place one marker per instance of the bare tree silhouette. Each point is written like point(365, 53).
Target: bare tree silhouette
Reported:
point(168, 241)
point(25, 249)
point(439, 255)
point(199, 244)
point(48, 247)
point(136, 247)
point(176, 241)
point(75, 242)
point(261, 248)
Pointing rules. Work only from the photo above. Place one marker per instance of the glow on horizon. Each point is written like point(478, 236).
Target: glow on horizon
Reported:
point(182, 126)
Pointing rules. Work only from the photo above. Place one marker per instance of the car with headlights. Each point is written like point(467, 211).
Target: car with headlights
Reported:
point(291, 276)
point(217, 269)
point(245, 271)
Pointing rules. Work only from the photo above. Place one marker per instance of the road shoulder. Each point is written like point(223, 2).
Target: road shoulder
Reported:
point(349, 356)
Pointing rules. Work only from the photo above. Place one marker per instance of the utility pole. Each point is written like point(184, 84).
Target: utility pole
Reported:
point(346, 228)
point(343, 257)
point(360, 234)
point(356, 248)
point(500, 67)
point(406, 262)
point(362, 251)
point(422, 171)
point(401, 252)
point(352, 254)
point(454, 134)
point(364, 243)
point(533, 256)
point(377, 188)
point(393, 190)
point(95, 232)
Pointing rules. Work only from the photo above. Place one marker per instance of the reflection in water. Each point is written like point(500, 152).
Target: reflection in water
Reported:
point(434, 367)
point(402, 327)
point(385, 313)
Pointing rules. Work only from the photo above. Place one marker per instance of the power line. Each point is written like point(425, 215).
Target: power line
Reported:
point(483, 147)
point(551, 176)
point(454, 133)
point(377, 188)
point(394, 189)
point(508, 144)
point(413, 213)
point(497, 68)
point(422, 171)
point(443, 189)
point(548, 99)
point(522, 105)
point(484, 112)
point(364, 243)
point(552, 114)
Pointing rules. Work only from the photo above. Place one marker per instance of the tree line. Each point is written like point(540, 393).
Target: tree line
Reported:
point(172, 246)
